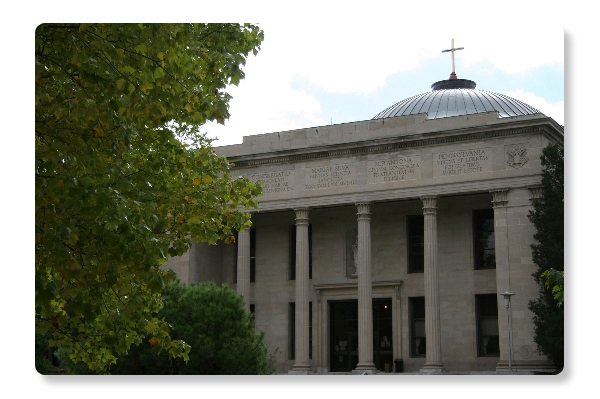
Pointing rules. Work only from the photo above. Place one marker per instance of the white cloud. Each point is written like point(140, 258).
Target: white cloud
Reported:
point(554, 110)
point(357, 56)
point(523, 48)
point(350, 56)
point(265, 101)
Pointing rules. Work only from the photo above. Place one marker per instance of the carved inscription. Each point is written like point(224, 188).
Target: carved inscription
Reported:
point(275, 182)
point(462, 162)
point(388, 170)
point(330, 176)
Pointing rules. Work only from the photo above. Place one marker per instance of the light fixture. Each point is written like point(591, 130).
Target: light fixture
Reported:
point(507, 296)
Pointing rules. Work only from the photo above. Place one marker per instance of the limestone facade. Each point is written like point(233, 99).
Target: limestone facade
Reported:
point(356, 185)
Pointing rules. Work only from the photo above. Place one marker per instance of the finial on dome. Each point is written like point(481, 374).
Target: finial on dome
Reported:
point(453, 82)
point(452, 49)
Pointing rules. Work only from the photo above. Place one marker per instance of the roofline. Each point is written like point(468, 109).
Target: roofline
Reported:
point(503, 127)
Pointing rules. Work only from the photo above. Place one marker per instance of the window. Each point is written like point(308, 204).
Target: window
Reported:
point(292, 333)
point(416, 247)
point(417, 326)
point(488, 337)
point(253, 310)
point(292, 252)
point(483, 239)
point(252, 255)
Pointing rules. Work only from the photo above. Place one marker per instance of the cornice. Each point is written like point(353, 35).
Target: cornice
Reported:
point(544, 126)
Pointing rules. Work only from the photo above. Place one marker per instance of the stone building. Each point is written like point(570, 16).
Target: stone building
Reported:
point(385, 245)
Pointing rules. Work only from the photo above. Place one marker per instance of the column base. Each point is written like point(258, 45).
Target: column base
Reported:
point(365, 371)
point(432, 371)
point(433, 368)
point(299, 372)
point(361, 368)
point(301, 368)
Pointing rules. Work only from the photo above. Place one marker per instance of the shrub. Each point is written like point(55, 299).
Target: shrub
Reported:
point(214, 322)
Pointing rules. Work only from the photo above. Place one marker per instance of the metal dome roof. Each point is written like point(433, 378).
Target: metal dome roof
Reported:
point(455, 97)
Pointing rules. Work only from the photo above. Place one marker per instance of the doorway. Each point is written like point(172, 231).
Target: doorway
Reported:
point(343, 344)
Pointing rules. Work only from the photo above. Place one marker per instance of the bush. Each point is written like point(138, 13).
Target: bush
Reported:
point(214, 322)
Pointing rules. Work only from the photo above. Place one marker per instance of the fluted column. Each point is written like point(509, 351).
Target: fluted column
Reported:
point(243, 267)
point(499, 203)
point(302, 292)
point(433, 350)
point(365, 307)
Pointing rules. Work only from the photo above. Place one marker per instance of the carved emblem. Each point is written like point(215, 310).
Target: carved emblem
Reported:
point(517, 156)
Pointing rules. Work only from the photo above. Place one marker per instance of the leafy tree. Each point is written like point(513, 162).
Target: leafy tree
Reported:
point(117, 190)
point(548, 254)
point(213, 320)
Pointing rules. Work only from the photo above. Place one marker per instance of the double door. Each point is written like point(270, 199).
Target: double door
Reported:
point(343, 345)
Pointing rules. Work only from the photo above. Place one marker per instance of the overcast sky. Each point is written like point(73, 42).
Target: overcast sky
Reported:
point(340, 70)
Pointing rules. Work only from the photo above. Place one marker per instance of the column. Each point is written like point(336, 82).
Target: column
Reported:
point(433, 355)
point(500, 205)
point(243, 267)
point(302, 292)
point(365, 307)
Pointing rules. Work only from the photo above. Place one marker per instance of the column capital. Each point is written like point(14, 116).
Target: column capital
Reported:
point(429, 204)
point(535, 192)
point(301, 216)
point(499, 198)
point(364, 210)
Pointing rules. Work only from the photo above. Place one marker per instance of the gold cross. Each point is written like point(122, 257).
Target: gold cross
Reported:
point(452, 49)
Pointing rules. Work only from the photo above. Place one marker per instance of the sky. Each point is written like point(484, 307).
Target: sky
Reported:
point(340, 71)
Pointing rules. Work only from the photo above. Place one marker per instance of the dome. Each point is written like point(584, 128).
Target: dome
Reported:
point(455, 97)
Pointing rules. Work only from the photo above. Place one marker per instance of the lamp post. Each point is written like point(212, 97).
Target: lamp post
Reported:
point(507, 296)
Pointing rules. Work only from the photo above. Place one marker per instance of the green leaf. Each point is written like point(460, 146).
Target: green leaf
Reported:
point(159, 73)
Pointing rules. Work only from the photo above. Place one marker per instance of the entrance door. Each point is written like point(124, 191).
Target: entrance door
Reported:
point(383, 355)
point(343, 344)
